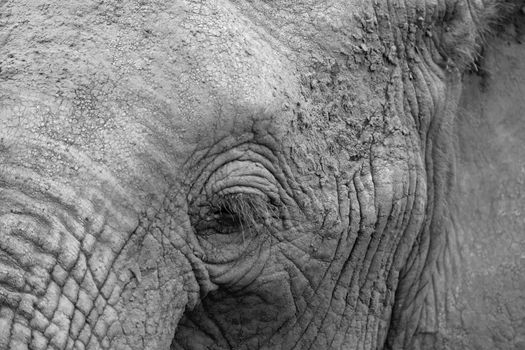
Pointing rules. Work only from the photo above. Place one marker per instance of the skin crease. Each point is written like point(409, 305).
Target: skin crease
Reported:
point(122, 122)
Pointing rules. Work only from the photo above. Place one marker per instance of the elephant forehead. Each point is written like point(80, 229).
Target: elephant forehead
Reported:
point(225, 52)
point(203, 59)
point(125, 75)
point(159, 43)
point(228, 67)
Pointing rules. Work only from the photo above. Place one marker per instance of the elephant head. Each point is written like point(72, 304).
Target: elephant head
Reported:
point(232, 174)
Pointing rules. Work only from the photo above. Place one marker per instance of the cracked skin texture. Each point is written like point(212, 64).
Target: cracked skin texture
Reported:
point(245, 175)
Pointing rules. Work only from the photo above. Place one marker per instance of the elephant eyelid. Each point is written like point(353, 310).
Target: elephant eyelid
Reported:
point(241, 208)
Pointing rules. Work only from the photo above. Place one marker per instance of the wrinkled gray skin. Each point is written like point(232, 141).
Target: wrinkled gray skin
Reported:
point(230, 174)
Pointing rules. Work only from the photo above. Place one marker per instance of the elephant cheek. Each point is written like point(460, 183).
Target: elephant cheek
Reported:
point(161, 287)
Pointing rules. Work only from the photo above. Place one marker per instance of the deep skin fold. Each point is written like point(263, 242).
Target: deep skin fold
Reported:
point(350, 175)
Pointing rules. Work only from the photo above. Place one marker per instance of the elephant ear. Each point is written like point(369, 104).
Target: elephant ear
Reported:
point(486, 308)
point(462, 284)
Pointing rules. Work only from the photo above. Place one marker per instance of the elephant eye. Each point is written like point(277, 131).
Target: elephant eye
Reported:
point(223, 219)
point(238, 213)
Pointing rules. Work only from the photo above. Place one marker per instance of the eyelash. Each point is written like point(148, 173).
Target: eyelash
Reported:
point(224, 218)
point(234, 213)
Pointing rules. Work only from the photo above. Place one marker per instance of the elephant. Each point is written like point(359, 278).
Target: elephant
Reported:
point(227, 174)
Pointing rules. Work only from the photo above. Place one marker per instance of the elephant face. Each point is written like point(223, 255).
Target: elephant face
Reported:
point(226, 174)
